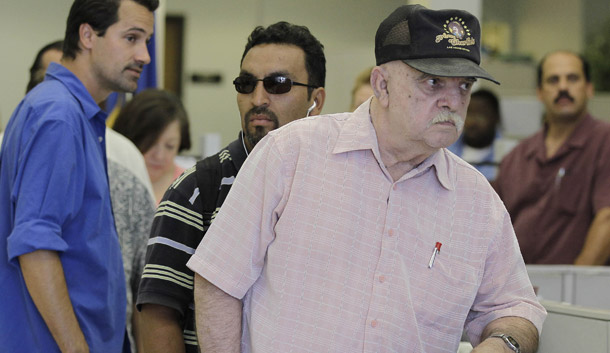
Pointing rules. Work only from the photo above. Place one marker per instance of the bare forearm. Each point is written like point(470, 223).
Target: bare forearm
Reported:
point(218, 318)
point(44, 277)
point(136, 330)
point(159, 329)
point(522, 330)
point(596, 249)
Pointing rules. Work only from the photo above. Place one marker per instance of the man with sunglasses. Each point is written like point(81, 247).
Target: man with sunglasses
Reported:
point(360, 232)
point(281, 79)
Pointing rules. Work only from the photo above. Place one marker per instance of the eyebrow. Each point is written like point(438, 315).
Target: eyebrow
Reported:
point(138, 29)
point(424, 76)
point(275, 73)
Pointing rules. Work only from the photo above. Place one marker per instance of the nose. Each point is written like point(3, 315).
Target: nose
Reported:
point(563, 84)
point(156, 152)
point(142, 54)
point(451, 99)
point(260, 97)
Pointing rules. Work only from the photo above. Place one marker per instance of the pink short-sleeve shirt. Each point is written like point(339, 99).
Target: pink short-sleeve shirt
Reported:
point(330, 255)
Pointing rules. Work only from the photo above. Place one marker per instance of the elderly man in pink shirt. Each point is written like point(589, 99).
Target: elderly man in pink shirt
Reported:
point(360, 232)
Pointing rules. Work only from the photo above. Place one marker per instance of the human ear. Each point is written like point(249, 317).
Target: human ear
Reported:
point(86, 35)
point(379, 83)
point(319, 96)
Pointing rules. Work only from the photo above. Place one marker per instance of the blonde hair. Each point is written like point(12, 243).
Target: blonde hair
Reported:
point(363, 79)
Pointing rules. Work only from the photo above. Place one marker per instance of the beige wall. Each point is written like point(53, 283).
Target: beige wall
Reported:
point(545, 25)
point(216, 33)
point(25, 26)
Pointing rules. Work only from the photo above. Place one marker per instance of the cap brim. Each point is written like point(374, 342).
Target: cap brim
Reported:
point(450, 67)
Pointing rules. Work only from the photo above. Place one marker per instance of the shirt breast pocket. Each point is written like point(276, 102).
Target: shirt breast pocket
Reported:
point(450, 290)
point(569, 190)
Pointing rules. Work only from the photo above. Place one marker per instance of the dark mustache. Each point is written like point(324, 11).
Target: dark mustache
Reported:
point(258, 110)
point(564, 94)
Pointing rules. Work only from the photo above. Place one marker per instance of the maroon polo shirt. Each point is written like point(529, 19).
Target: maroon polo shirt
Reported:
point(552, 201)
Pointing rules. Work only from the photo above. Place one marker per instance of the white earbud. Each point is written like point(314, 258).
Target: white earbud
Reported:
point(310, 108)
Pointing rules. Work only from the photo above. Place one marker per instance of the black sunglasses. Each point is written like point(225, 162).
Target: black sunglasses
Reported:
point(272, 84)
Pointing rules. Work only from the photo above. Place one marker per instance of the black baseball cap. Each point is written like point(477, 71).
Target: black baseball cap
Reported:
point(436, 42)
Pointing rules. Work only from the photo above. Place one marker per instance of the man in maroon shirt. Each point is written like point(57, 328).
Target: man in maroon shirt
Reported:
point(556, 183)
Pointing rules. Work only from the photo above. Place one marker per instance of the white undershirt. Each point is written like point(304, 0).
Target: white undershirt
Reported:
point(475, 155)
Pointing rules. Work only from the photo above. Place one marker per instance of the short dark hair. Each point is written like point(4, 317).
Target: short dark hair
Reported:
point(585, 65)
point(286, 33)
point(491, 99)
point(99, 14)
point(144, 118)
point(35, 75)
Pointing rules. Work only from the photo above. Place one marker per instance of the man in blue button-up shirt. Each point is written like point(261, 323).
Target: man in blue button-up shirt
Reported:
point(61, 272)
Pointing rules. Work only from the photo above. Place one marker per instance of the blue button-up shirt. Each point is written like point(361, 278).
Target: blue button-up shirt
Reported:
point(54, 196)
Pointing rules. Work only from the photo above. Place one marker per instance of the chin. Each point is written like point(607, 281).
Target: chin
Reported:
point(126, 86)
point(154, 177)
point(566, 116)
point(155, 174)
point(132, 88)
point(443, 141)
point(437, 145)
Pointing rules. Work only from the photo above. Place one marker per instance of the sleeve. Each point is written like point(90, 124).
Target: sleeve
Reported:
point(48, 188)
point(232, 254)
point(505, 288)
point(177, 229)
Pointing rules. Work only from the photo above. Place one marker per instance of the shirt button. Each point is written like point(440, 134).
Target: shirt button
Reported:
point(374, 323)
point(391, 232)
point(100, 138)
point(394, 187)
point(382, 278)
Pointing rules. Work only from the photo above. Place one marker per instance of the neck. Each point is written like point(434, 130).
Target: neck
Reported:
point(245, 144)
point(558, 131)
point(163, 183)
point(82, 70)
point(398, 154)
point(561, 128)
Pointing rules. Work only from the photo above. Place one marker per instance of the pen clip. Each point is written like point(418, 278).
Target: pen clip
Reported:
point(560, 174)
point(437, 249)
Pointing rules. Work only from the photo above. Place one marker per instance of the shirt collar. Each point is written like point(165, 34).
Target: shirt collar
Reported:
point(581, 132)
point(577, 138)
point(439, 161)
point(358, 133)
point(77, 89)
